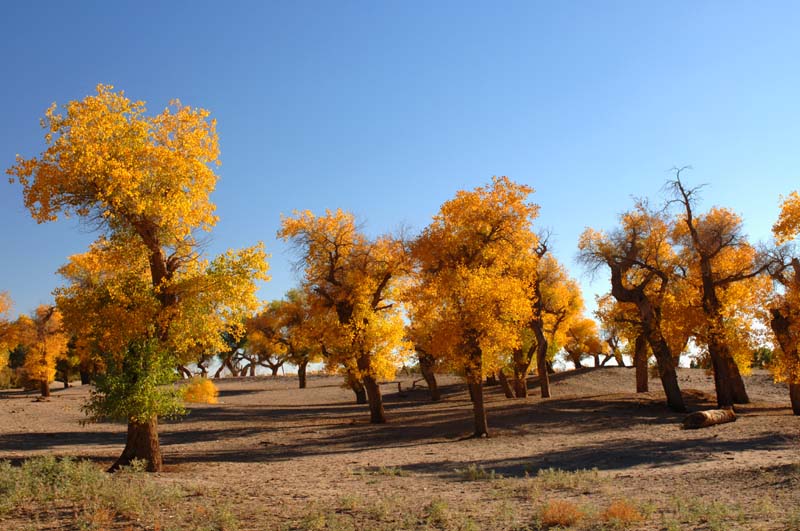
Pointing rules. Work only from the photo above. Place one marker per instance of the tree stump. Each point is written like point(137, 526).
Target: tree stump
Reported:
point(704, 419)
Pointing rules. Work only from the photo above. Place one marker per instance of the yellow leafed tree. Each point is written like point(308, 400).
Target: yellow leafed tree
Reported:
point(353, 280)
point(45, 343)
point(145, 182)
point(468, 268)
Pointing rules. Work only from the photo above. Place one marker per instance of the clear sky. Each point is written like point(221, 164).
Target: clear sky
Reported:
point(387, 108)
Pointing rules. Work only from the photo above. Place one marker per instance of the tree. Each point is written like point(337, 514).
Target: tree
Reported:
point(583, 338)
point(355, 279)
point(469, 261)
point(718, 257)
point(785, 324)
point(45, 344)
point(625, 333)
point(555, 300)
point(642, 264)
point(144, 181)
point(7, 339)
point(784, 306)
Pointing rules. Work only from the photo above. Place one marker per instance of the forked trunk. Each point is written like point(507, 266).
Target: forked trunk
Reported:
point(360, 391)
point(728, 381)
point(301, 373)
point(185, 373)
point(376, 413)
point(143, 444)
point(668, 374)
point(640, 362)
point(522, 364)
point(501, 376)
point(44, 387)
point(520, 386)
point(781, 326)
point(426, 364)
point(794, 395)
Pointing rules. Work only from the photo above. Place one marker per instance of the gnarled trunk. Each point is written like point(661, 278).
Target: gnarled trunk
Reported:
point(501, 377)
point(640, 362)
point(781, 326)
point(541, 359)
point(794, 396)
point(301, 373)
point(475, 383)
point(142, 443)
point(376, 413)
point(426, 364)
point(728, 381)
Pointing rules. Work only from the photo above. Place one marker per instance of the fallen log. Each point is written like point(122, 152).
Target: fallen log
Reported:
point(711, 417)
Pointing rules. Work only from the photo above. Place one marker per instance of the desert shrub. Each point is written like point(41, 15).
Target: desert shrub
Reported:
point(560, 513)
point(621, 515)
point(437, 514)
point(200, 391)
point(477, 473)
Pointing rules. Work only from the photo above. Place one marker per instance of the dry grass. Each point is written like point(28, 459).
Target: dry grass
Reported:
point(560, 513)
point(621, 514)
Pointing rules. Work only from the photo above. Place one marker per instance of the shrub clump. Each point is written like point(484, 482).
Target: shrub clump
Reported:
point(560, 513)
point(621, 514)
point(200, 391)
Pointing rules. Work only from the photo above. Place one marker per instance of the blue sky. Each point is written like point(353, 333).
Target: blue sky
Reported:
point(387, 108)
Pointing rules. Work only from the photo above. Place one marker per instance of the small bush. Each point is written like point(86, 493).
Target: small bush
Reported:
point(477, 473)
point(200, 391)
point(437, 514)
point(560, 513)
point(621, 515)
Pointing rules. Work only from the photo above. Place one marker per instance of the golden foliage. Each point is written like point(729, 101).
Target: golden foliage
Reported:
point(469, 286)
point(351, 283)
point(45, 341)
point(107, 160)
point(200, 391)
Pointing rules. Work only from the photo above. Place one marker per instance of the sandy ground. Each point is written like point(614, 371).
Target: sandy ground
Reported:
point(276, 454)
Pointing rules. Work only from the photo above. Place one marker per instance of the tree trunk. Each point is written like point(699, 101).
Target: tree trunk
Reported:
point(668, 374)
point(596, 359)
point(501, 376)
point(142, 443)
point(426, 364)
point(301, 373)
point(479, 410)
point(794, 395)
point(376, 413)
point(491, 380)
point(541, 358)
point(44, 387)
point(541, 369)
point(640, 362)
point(520, 386)
point(522, 365)
point(728, 381)
point(86, 378)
